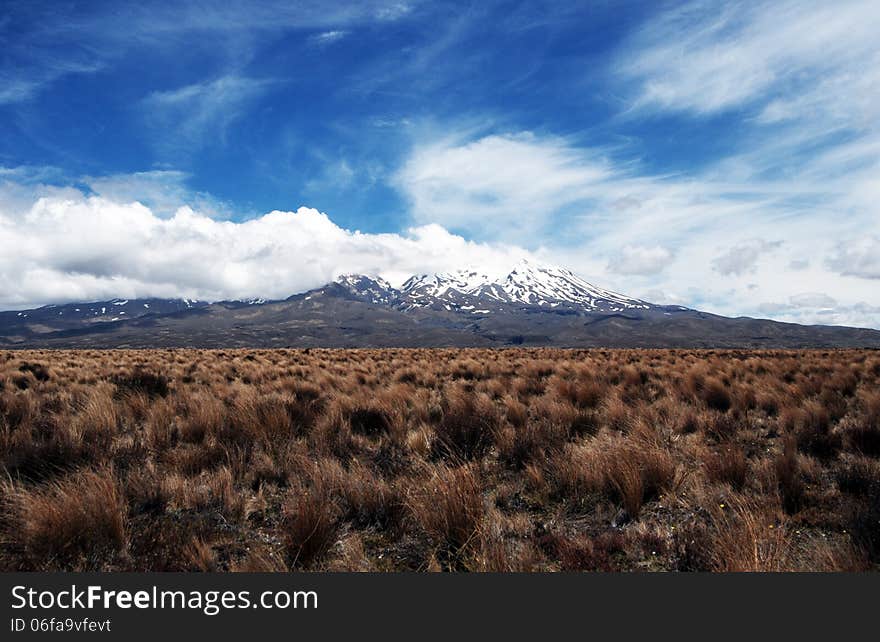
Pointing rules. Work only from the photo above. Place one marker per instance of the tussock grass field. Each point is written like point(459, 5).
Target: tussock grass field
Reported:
point(422, 460)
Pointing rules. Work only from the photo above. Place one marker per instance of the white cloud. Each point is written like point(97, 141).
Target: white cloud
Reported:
point(163, 191)
point(202, 112)
point(857, 258)
point(813, 300)
point(497, 185)
point(75, 247)
point(741, 259)
point(96, 39)
point(819, 308)
point(638, 259)
point(328, 37)
point(393, 10)
point(790, 59)
point(60, 245)
point(17, 90)
point(728, 239)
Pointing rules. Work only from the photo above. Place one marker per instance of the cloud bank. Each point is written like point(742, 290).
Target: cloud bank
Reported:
point(74, 247)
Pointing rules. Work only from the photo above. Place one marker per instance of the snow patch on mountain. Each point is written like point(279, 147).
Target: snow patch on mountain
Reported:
point(527, 283)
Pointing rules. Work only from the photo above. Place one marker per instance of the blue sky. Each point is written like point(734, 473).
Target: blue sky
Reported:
point(721, 155)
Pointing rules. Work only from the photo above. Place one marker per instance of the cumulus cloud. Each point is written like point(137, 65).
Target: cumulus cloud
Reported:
point(857, 258)
point(76, 247)
point(638, 259)
point(742, 258)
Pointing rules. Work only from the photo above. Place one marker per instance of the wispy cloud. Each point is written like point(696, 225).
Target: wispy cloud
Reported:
point(47, 41)
point(640, 259)
point(498, 185)
point(17, 90)
point(328, 37)
point(201, 113)
point(163, 191)
point(818, 308)
point(786, 60)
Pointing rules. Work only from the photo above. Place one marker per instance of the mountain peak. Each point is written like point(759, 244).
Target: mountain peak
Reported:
point(373, 289)
point(527, 282)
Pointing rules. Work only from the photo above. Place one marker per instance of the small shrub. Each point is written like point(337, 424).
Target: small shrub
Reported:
point(739, 537)
point(584, 553)
point(864, 439)
point(716, 396)
point(864, 523)
point(857, 476)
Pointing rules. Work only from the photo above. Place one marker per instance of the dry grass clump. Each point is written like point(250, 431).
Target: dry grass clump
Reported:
point(466, 425)
point(728, 466)
point(739, 536)
point(77, 520)
point(310, 523)
point(448, 505)
point(483, 460)
point(142, 381)
point(637, 473)
point(864, 435)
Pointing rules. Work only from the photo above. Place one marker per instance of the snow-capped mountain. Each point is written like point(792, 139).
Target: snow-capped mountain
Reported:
point(370, 289)
point(526, 305)
point(527, 283)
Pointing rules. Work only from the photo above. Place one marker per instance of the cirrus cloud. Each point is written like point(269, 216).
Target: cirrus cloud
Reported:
point(790, 59)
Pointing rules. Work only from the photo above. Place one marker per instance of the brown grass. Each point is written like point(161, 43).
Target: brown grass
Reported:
point(483, 460)
point(447, 504)
point(77, 519)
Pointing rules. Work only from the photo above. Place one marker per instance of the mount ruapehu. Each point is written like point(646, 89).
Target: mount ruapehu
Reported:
point(531, 305)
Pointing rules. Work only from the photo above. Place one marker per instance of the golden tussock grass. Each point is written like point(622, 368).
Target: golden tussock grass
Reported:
point(478, 460)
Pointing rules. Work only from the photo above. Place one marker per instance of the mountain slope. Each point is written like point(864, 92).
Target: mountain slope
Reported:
point(77, 316)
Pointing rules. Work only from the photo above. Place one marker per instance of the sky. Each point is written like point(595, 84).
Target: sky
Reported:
point(724, 156)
